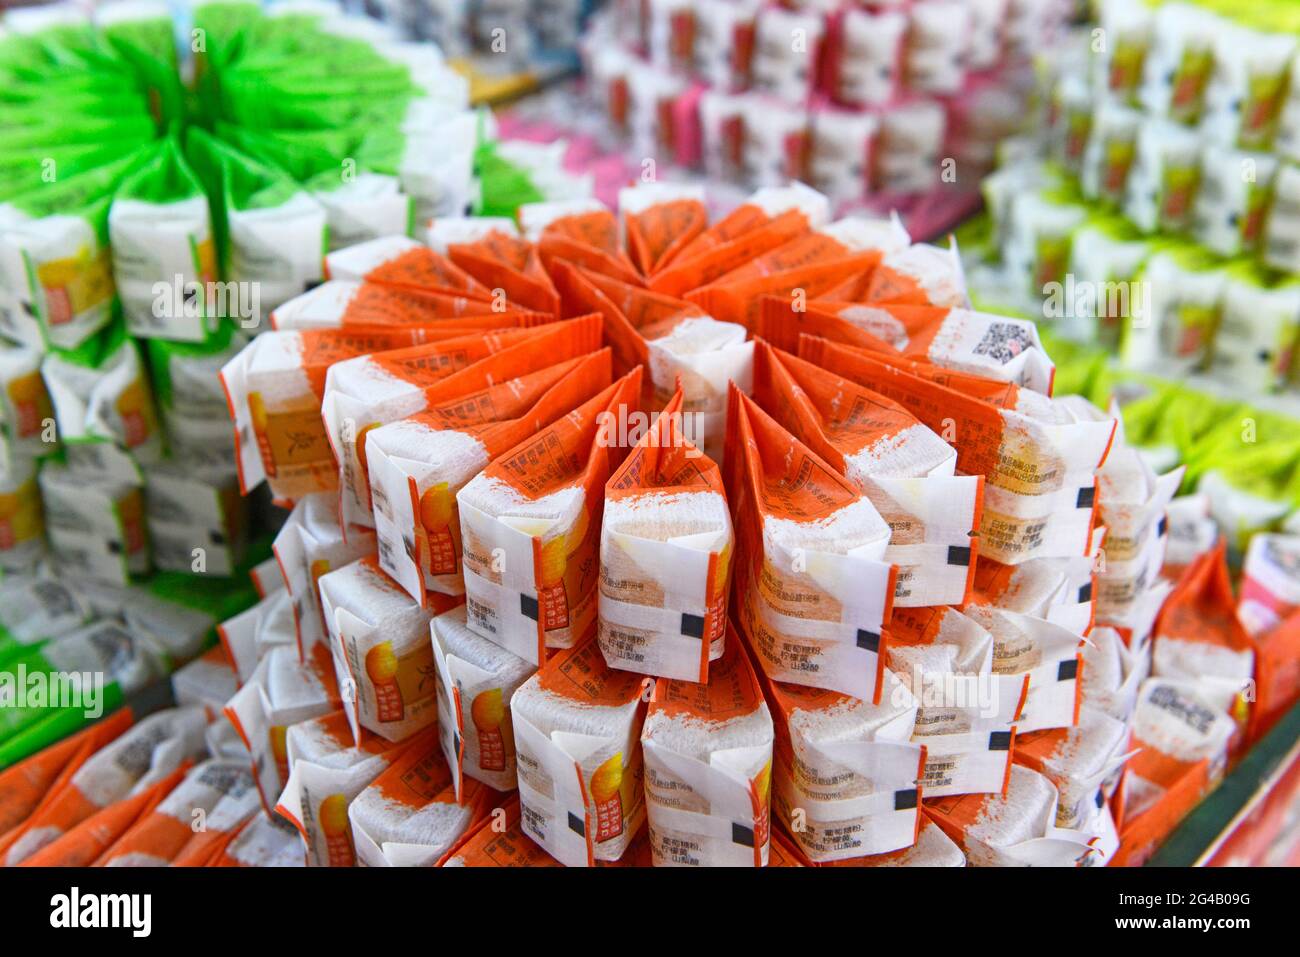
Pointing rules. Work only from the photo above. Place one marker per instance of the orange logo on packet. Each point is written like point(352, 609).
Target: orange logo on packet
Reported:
point(607, 798)
point(489, 713)
point(381, 667)
point(333, 816)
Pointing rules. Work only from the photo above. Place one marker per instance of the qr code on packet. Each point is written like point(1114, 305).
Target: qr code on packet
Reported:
point(1003, 342)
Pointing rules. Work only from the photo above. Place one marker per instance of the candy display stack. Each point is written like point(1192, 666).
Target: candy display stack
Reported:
point(727, 523)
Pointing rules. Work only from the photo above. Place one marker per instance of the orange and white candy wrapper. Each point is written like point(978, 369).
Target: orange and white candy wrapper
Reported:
point(811, 586)
point(511, 265)
point(370, 391)
point(1017, 829)
point(409, 816)
point(665, 556)
point(901, 465)
point(309, 544)
point(327, 770)
point(965, 711)
point(261, 842)
point(659, 221)
point(577, 727)
point(922, 275)
point(352, 304)
point(933, 848)
point(582, 232)
point(419, 463)
point(708, 768)
point(403, 263)
point(380, 638)
point(530, 524)
point(1038, 461)
point(476, 680)
point(158, 837)
point(846, 777)
point(128, 765)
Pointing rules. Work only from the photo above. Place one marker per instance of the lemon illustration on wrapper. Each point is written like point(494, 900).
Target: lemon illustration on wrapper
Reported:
point(488, 712)
point(333, 817)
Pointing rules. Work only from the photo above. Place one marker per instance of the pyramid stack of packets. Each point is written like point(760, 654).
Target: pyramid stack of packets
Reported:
point(691, 532)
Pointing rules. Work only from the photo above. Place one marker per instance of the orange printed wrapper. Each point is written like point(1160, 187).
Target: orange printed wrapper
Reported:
point(708, 768)
point(511, 265)
point(665, 556)
point(261, 842)
point(213, 798)
point(85, 843)
point(922, 275)
point(811, 585)
point(274, 387)
point(577, 726)
point(404, 264)
point(659, 221)
point(409, 816)
point(933, 848)
point(1039, 463)
point(530, 526)
point(30, 784)
point(351, 304)
point(580, 234)
point(367, 392)
point(1277, 675)
point(498, 840)
point(129, 764)
point(846, 778)
point(1198, 638)
point(327, 770)
point(995, 347)
point(417, 465)
point(904, 468)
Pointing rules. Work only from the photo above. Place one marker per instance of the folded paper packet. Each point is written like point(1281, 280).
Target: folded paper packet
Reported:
point(309, 544)
point(509, 266)
point(903, 467)
point(708, 767)
point(274, 388)
point(215, 830)
point(846, 777)
point(248, 637)
point(771, 217)
point(27, 786)
point(1199, 640)
point(94, 519)
point(281, 691)
point(418, 464)
point(410, 816)
point(353, 304)
point(659, 221)
point(85, 843)
point(1038, 462)
point(404, 264)
point(577, 726)
point(922, 275)
point(499, 840)
point(1017, 829)
point(1270, 583)
point(35, 608)
point(811, 586)
point(131, 763)
point(369, 391)
point(262, 842)
point(582, 232)
point(676, 340)
point(380, 639)
point(1057, 589)
point(965, 711)
point(933, 848)
point(1084, 762)
point(978, 343)
point(665, 557)
point(207, 682)
point(1113, 672)
point(158, 837)
point(478, 678)
point(327, 770)
point(442, 232)
point(1050, 655)
point(1182, 740)
point(530, 527)
point(1277, 685)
